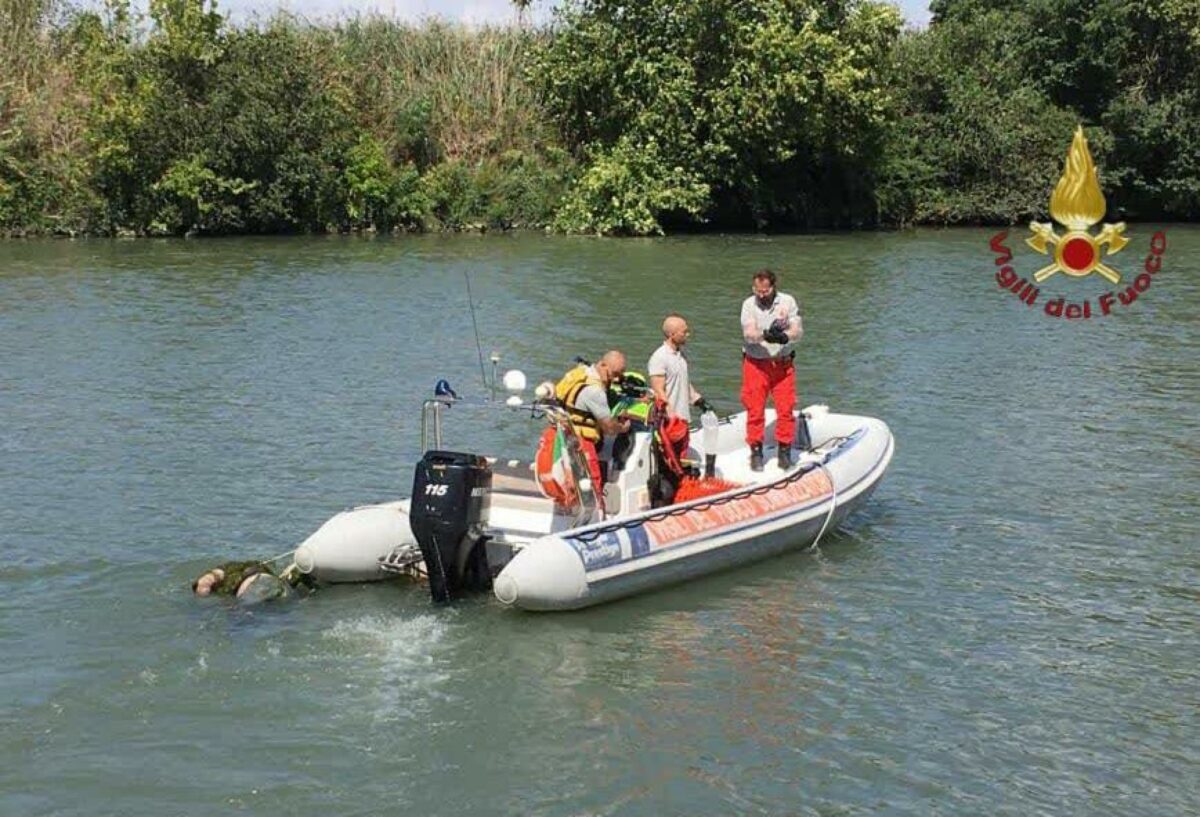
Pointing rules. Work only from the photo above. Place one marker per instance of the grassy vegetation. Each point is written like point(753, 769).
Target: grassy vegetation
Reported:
point(180, 123)
point(43, 135)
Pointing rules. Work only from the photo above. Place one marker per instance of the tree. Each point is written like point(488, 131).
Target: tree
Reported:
point(1125, 68)
point(766, 113)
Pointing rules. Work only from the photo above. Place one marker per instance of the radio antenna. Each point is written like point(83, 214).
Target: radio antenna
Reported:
point(475, 326)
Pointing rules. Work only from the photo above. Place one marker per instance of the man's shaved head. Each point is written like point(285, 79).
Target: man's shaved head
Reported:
point(614, 361)
point(675, 330)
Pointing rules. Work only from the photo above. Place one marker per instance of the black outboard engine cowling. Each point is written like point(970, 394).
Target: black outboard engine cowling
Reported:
point(449, 495)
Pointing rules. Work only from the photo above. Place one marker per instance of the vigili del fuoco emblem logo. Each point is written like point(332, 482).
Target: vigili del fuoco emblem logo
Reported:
point(1077, 205)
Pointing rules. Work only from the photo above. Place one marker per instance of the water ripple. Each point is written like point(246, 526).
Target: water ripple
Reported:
point(1008, 628)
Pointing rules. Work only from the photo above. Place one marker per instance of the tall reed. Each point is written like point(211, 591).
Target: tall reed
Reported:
point(467, 85)
point(42, 124)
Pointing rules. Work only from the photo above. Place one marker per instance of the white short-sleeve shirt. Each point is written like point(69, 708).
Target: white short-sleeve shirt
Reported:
point(672, 365)
point(783, 308)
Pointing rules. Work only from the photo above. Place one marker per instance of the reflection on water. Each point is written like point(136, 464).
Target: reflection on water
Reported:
point(1007, 628)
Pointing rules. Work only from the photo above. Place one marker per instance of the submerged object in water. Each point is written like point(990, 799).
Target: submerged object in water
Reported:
point(262, 587)
point(347, 548)
point(227, 578)
point(248, 582)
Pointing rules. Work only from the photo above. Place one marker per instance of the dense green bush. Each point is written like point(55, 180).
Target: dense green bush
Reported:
point(380, 194)
point(44, 180)
point(763, 113)
point(988, 95)
point(786, 113)
point(626, 189)
point(218, 130)
point(525, 189)
point(968, 146)
point(513, 190)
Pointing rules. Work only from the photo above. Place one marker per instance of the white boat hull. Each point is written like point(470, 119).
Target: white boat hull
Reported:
point(616, 558)
point(349, 546)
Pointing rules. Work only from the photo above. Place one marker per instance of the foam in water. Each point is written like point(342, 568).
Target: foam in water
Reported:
point(408, 673)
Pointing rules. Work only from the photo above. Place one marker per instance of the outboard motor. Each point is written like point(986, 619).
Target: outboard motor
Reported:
point(449, 494)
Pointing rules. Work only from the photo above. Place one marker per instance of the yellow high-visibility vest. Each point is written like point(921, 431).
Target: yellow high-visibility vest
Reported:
point(567, 391)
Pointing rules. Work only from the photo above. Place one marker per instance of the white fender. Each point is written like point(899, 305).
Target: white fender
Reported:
point(348, 547)
point(547, 575)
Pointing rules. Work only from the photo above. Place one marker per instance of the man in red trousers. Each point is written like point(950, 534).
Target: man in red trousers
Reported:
point(771, 327)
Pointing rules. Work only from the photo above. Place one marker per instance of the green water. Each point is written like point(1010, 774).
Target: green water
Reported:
point(1009, 627)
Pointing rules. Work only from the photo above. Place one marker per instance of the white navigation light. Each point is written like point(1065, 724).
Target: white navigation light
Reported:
point(514, 400)
point(514, 380)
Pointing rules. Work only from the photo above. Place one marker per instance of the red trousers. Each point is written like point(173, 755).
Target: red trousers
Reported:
point(776, 378)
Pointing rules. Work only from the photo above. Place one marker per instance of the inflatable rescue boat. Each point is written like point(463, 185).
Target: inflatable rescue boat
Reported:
point(767, 513)
point(475, 523)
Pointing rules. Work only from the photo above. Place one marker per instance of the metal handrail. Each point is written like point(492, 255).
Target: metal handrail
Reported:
point(432, 409)
point(431, 425)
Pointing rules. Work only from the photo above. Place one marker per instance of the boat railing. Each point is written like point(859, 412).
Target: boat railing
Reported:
point(433, 409)
point(589, 507)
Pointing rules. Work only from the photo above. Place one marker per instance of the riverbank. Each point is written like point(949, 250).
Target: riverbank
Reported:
point(610, 119)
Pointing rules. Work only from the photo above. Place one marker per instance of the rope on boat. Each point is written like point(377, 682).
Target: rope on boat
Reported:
point(274, 559)
point(832, 506)
point(759, 490)
point(475, 326)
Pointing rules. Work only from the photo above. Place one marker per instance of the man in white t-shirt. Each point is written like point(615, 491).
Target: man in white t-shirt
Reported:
point(771, 327)
point(668, 371)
